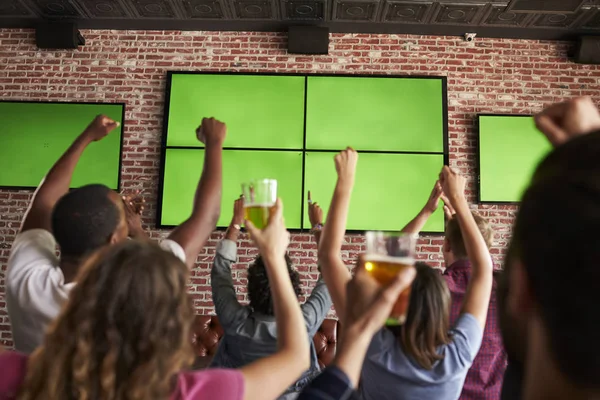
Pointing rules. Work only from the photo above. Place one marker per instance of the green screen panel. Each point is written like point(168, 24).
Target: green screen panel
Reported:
point(390, 189)
point(387, 114)
point(34, 136)
point(183, 168)
point(260, 111)
point(510, 148)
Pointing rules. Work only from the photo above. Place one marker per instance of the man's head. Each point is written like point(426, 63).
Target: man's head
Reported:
point(259, 290)
point(88, 218)
point(552, 278)
point(454, 244)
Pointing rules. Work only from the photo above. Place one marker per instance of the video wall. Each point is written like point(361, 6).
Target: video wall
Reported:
point(510, 148)
point(289, 127)
point(34, 135)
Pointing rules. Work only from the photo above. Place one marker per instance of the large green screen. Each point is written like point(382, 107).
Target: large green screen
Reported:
point(260, 111)
point(183, 168)
point(386, 114)
point(390, 189)
point(33, 136)
point(510, 147)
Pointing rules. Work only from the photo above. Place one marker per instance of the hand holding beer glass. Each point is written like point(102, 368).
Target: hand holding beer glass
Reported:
point(387, 255)
point(260, 196)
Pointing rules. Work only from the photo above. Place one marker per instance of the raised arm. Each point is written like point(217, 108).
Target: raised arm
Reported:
point(227, 307)
point(315, 216)
point(477, 297)
point(57, 181)
point(267, 378)
point(134, 206)
point(193, 233)
point(334, 270)
point(417, 224)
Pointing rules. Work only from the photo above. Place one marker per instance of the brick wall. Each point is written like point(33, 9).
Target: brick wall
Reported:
point(488, 75)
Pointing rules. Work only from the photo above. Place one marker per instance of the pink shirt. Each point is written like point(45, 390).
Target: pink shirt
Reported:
point(214, 384)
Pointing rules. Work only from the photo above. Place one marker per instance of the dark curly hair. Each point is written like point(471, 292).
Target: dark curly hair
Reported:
point(259, 290)
point(84, 220)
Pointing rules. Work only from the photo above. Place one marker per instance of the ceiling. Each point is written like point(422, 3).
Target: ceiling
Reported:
point(535, 19)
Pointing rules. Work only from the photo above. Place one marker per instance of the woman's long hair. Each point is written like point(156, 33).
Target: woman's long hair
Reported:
point(124, 334)
point(428, 319)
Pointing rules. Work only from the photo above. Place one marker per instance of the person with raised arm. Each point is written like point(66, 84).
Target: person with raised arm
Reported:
point(106, 344)
point(484, 379)
point(251, 332)
point(426, 357)
point(85, 219)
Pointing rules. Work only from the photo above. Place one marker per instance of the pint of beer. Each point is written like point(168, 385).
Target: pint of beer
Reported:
point(387, 255)
point(260, 196)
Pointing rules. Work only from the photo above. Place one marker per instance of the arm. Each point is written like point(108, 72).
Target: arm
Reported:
point(193, 233)
point(134, 206)
point(417, 224)
point(57, 181)
point(317, 306)
point(315, 216)
point(334, 270)
point(267, 378)
point(477, 297)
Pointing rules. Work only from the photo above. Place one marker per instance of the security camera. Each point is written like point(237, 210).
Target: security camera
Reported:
point(469, 37)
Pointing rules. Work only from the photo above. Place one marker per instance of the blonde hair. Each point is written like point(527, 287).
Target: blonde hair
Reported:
point(455, 238)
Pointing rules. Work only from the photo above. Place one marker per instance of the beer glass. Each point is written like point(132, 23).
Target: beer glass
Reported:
point(388, 254)
point(260, 196)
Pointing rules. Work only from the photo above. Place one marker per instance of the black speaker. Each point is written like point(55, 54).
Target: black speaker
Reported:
point(58, 35)
point(308, 40)
point(588, 50)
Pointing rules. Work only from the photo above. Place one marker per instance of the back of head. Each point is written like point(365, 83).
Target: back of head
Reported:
point(455, 238)
point(428, 318)
point(556, 239)
point(125, 332)
point(84, 220)
point(259, 289)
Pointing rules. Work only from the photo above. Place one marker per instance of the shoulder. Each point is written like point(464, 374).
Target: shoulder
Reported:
point(33, 254)
point(14, 367)
point(173, 247)
point(210, 384)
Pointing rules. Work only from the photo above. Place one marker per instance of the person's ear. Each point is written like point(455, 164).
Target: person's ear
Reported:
point(114, 238)
point(520, 297)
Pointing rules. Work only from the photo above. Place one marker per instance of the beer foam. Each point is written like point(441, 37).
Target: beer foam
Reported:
point(265, 205)
point(389, 259)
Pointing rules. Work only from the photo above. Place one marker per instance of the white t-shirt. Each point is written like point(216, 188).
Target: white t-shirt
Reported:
point(36, 288)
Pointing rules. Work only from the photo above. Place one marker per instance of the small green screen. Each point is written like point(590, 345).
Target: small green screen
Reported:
point(33, 136)
point(390, 189)
point(387, 114)
point(260, 111)
point(510, 148)
point(183, 168)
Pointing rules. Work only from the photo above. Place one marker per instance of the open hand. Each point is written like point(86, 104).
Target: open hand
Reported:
point(274, 239)
point(211, 132)
point(370, 304)
point(99, 128)
point(563, 121)
point(315, 212)
point(345, 164)
point(453, 184)
point(434, 198)
point(238, 211)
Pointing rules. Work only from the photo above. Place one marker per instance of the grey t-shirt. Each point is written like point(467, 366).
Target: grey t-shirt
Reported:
point(388, 373)
point(250, 336)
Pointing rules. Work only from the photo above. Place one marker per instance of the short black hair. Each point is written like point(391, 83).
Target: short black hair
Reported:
point(259, 290)
point(556, 238)
point(84, 219)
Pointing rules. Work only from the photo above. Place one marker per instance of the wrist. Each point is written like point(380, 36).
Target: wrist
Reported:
point(317, 227)
point(214, 144)
point(427, 211)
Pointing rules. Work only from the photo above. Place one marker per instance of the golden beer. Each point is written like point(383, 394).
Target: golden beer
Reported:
point(384, 269)
point(258, 214)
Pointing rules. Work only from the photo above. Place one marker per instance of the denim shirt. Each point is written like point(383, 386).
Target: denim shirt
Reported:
point(250, 336)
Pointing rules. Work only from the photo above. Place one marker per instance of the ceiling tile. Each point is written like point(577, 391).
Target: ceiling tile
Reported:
point(406, 12)
point(304, 10)
point(555, 20)
point(160, 9)
point(105, 8)
point(545, 6)
point(208, 9)
point(14, 8)
point(360, 11)
point(57, 8)
point(496, 16)
point(254, 9)
point(459, 14)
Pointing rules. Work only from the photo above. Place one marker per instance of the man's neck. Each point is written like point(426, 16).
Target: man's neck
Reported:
point(450, 259)
point(70, 267)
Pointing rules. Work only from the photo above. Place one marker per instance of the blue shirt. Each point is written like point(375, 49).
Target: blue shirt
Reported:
point(332, 384)
point(250, 336)
point(389, 373)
